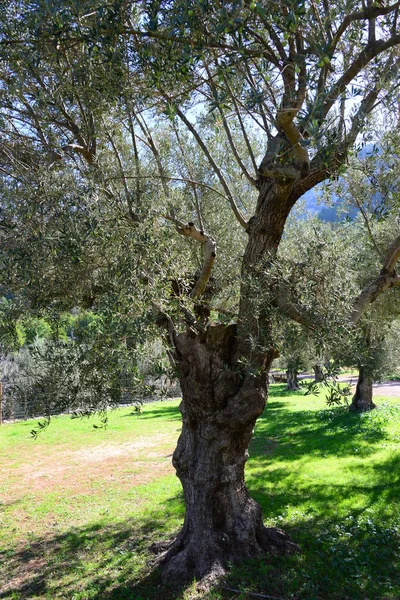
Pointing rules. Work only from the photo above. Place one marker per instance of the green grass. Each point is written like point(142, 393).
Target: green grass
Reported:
point(328, 477)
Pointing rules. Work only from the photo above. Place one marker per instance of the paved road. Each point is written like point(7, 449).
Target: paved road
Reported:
point(390, 389)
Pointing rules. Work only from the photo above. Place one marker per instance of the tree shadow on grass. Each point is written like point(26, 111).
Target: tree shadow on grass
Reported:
point(284, 433)
point(97, 561)
point(286, 439)
point(354, 557)
point(165, 412)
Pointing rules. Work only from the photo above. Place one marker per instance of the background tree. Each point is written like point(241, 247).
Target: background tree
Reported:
point(80, 85)
point(371, 186)
point(293, 353)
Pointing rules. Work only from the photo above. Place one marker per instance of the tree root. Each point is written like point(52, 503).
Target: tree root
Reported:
point(186, 558)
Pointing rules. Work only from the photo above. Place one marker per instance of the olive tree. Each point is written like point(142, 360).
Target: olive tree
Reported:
point(371, 186)
point(84, 90)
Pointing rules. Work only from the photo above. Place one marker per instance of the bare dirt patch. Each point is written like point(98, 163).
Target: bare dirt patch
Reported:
point(131, 463)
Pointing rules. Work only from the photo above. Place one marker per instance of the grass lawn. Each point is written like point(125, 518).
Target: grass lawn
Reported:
point(79, 507)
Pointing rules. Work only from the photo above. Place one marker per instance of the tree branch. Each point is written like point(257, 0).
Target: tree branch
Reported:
point(200, 43)
point(386, 279)
point(244, 132)
point(370, 12)
point(170, 178)
point(326, 163)
point(133, 216)
point(210, 247)
point(131, 128)
point(392, 255)
point(295, 311)
point(192, 183)
point(367, 225)
point(212, 162)
point(150, 142)
point(229, 134)
point(365, 57)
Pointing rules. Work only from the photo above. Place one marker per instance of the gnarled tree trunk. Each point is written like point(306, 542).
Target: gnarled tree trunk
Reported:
point(219, 408)
point(292, 382)
point(224, 382)
point(362, 399)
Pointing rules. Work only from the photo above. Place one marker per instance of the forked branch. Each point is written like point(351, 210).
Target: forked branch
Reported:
point(212, 162)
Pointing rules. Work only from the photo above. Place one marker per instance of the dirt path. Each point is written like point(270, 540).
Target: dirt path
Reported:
point(391, 389)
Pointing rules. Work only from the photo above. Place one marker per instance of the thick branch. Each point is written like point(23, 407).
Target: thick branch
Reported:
point(286, 159)
point(370, 293)
point(82, 150)
point(327, 162)
point(276, 40)
point(295, 311)
point(190, 230)
point(386, 279)
point(392, 255)
point(370, 12)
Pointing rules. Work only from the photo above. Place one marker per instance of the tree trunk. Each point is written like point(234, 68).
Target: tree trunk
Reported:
point(224, 382)
point(292, 382)
point(362, 399)
point(219, 408)
point(318, 373)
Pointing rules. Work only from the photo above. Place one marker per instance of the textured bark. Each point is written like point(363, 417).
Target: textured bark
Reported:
point(219, 408)
point(362, 399)
point(292, 382)
point(264, 234)
point(223, 377)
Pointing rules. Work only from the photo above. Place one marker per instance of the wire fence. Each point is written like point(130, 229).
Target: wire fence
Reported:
point(26, 406)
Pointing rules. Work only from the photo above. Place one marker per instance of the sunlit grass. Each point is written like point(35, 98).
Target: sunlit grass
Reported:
point(328, 477)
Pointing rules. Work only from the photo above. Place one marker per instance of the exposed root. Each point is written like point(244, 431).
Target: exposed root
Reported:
point(186, 558)
point(277, 541)
point(161, 547)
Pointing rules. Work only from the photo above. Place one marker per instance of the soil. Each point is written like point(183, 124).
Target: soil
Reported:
point(132, 463)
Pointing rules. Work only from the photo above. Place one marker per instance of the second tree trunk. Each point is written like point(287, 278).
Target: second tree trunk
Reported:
point(362, 399)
